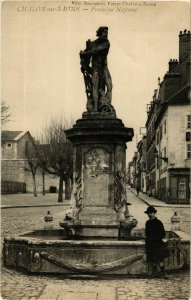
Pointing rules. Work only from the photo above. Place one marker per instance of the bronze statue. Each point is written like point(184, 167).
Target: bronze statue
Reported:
point(97, 78)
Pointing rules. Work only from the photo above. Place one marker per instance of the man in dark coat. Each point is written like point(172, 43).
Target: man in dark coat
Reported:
point(155, 246)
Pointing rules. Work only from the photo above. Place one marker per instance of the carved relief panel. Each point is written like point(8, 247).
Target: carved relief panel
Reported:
point(97, 170)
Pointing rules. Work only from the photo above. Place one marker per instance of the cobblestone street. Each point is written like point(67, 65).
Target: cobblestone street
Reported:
point(18, 286)
point(15, 285)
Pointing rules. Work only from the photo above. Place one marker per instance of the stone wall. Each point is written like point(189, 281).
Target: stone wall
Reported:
point(14, 170)
point(9, 150)
point(21, 146)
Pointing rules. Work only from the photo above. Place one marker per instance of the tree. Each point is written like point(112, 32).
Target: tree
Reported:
point(43, 180)
point(33, 162)
point(55, 153)
point(5, 114)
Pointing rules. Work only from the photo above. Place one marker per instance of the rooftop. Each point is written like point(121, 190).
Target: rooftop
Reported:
point(7, 135)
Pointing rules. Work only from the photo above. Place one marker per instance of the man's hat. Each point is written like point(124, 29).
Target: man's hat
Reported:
point(100, 29)
point(150, 209)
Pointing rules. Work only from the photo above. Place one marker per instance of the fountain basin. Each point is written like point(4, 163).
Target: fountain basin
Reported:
point(49, 251)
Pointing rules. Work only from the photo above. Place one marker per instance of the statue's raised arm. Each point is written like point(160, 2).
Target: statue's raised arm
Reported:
point(97, 78)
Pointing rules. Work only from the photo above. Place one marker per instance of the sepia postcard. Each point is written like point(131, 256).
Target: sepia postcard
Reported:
point(113, 78)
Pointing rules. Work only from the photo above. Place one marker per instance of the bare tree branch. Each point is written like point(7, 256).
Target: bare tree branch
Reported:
point(56, 153)
point(5, 113)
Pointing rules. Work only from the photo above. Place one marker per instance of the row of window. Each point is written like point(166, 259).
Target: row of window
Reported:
point(188, 151)
point(162, 128)
point(188, 121)
point(161, 132)
point(188, 137)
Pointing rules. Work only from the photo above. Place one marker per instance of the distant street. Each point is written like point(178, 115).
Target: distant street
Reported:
point(163, 213)
point(15, 285)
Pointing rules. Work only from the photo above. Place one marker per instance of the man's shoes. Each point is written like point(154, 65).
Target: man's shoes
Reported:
point(158, 274)
point(162, 274)
point(155, 272)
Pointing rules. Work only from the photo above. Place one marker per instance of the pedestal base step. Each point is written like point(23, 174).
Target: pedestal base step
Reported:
point(91, 230)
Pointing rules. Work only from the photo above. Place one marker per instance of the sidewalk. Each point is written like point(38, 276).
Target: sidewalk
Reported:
point(28, 200)
point(155, 202)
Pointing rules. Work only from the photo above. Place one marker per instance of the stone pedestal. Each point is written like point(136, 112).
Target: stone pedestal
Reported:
point(99, 141)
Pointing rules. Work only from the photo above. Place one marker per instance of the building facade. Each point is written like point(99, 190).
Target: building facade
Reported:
point(169, 131)
point(132, 171)
point(150, 149)
point(162, 161)
point(142, 164)
point(14, 163)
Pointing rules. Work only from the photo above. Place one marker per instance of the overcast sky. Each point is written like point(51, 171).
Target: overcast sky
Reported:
point(41, 41)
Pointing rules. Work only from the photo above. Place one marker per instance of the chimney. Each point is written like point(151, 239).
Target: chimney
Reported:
point(184, 45)
point(172, 64)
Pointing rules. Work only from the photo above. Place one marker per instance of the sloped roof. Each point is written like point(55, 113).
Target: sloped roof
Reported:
point(7, 135)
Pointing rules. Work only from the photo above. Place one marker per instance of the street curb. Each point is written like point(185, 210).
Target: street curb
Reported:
point(139, 197)
point(158, 205)
point(43, 205)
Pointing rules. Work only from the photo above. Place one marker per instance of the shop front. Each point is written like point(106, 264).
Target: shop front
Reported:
point(179, 186)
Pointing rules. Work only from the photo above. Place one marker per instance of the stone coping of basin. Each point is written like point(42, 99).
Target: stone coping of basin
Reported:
point(182, 235)
point(25, 237)
point(37, 241)
point(72, 225)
